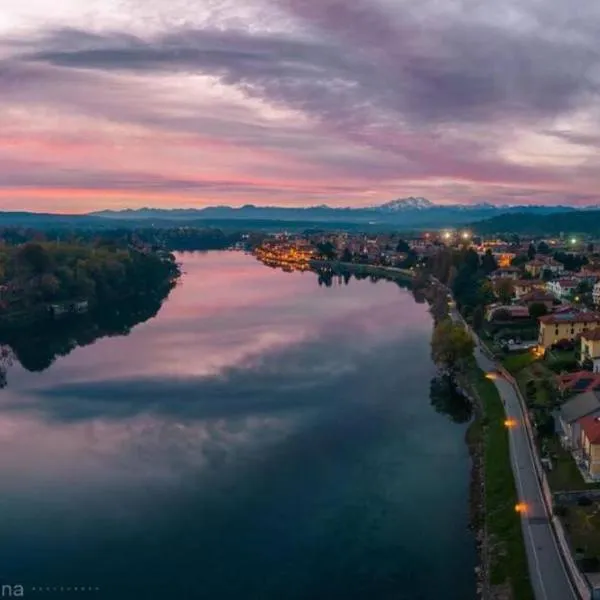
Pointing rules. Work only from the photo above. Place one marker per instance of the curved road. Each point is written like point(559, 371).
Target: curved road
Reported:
point(547, 570)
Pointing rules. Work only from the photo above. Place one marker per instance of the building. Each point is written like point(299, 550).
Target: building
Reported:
point(562, 288)
point(564, 326)
point(590, 348)
point(570, 415)
point(506, 273)
point(589, 444)
point(538, 297)
point(526, 286)
point(596, 294)
point(577, 383)
point(512, 311)
point(535, 268)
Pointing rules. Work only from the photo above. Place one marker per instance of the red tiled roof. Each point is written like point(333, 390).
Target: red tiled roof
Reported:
point(568, 318)
point(591, 427)
point(592, 334)
point(537, 295)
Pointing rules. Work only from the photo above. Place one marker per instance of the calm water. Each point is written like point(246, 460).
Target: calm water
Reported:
point(263, 437)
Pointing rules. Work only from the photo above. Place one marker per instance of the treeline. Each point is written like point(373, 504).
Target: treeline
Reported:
point(584, 222)
point(175, 239)
point(39, 272)
point(465, 273)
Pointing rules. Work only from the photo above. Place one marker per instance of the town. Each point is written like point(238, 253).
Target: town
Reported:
point(534, 305)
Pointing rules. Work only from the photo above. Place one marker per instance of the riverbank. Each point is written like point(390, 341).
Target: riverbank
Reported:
point(339, 268)
point(501, 546)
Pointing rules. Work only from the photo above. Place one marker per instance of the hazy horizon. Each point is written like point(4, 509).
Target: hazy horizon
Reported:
point(122, 103)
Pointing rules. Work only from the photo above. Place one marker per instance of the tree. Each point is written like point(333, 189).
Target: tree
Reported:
point(402, 246)
point(486, 292)
point(346, 256)
point(537, 310)
point(478, 317)
point(531, 251)
point(451, 346)
point(519, 260)
point(543, 248)
point(34, 257)
point(505, 290)
point(327, 250)
point(488, 262)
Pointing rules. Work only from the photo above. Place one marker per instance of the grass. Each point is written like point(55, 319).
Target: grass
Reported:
point(565, 475)
point(514, 363)
point(508, 560)
point(583, 525)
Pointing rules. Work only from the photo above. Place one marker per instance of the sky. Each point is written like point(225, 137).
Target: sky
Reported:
point(190, 103)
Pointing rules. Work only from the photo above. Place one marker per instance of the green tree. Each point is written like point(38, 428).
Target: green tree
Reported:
point(451, 346)
point(488, 262)
point(543, 248)
point(505, 290)
point(531, 252)
point(34, 258)
point(478, 317)
point(346, 256)
point(327, 250)
point(402, 246)
point(537, 310)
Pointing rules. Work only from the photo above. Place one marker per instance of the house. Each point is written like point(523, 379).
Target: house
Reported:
point(562, 288)
point(590, 347)
point(538, 297)
point(526, 286)
point(596, 294)
point(555, 267)
point(577, 383)
point(564, 326)
point(513, 312)
point(589, 444)
point(570, 414)
point(506, 273)
point(535, 268)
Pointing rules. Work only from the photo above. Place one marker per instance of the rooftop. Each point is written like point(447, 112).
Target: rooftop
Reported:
point(591, 427)
point(592, 334)
point(570, 317)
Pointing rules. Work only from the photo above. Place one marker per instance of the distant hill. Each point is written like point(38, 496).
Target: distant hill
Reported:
point(401, 213)
point(586, 222)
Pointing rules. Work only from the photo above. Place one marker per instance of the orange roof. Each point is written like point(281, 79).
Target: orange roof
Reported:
point(591, 428)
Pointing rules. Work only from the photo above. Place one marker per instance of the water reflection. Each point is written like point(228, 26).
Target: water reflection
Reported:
point(262, 426)
point(447, 399)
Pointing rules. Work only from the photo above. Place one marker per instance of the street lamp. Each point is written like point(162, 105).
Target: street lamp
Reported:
point(466, 235)
point(573, 240)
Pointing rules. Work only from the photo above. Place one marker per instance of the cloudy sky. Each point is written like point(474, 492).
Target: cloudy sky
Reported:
point(115, 103)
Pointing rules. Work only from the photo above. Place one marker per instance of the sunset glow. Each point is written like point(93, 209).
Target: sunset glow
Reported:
point(122, 103)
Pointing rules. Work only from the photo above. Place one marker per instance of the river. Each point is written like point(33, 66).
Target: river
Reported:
point(262, 437)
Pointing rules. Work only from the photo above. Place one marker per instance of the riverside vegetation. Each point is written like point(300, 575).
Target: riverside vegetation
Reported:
point(504, 571)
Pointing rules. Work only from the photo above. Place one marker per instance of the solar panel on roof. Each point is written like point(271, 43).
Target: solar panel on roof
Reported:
point(583, 383)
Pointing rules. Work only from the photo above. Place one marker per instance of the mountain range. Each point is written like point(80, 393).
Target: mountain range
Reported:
point(404, 213)
point(407, 212)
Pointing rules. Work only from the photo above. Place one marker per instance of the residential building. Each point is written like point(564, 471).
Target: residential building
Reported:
point(577, 383)
point(562, 288)
point(596, 294)
point(526, 286)
point(590, 348)
point(564, 326)
point(589, 427)
point(535, 268)
point(538, 297)
point(506, 273)
point(570, 414)
point(513, 311)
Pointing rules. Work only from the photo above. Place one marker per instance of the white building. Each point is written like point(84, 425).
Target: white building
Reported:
point(562, 288)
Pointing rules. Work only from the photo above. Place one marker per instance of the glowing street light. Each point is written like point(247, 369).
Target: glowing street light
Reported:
point(510, 423)
point(447, 235)
point(573, 240)
point(466, 235)
point(521, 507)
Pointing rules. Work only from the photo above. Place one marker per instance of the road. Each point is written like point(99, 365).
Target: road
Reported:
point(547, 571)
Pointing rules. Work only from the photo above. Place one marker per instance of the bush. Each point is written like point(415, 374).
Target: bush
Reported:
point(560, 510)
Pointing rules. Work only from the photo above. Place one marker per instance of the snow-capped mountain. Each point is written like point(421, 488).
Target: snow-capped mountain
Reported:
point(406, 204)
